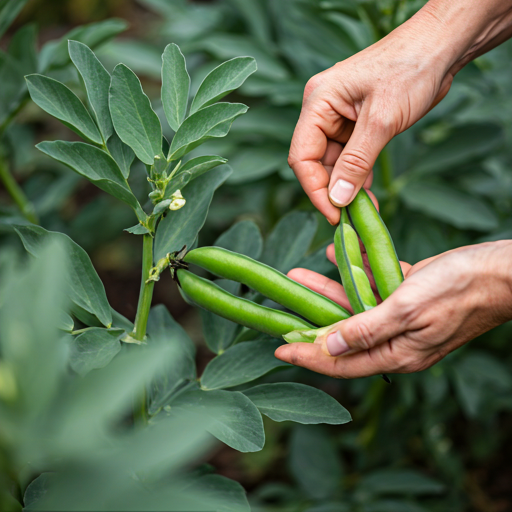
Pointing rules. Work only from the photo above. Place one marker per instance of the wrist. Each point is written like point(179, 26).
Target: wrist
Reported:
point(496, 274)
point(454, 32)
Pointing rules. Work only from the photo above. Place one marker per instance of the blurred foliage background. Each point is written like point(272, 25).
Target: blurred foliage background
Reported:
point(440, 440)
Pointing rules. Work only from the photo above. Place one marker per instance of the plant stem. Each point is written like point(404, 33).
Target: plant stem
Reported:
point(17, 194)
point(146, 290)
point(386, 170)
point(141, 318)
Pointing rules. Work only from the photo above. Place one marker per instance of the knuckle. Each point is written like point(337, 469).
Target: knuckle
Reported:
point(311, 85)
point(355, 163)
point(364, 337)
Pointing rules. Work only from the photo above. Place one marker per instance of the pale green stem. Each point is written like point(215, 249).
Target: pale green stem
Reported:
point(17, 194)
point(141, 318)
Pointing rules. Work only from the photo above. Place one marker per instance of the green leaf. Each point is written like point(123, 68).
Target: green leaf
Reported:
point(399, 481)
point(134, 120)
point(121, 153)
point(289, 241)
point(85, 287)
point(37, 489)
point(162, 328)
point(60, 102)
point(181, 227)
point(212, 121)
point(9, 9)
point(96, 165)
point(55, 54)
point(138, 229)
point(222, 80)
point(451, 206)
point(94, 348)
point(97, 84)
point(250, 164)
point(314, 462)
point(218, 332)
point(287, 401)
point(236, 420)
point(175, 85)
point(242, 363)
point(244, 237)
point(201, 164)
point(66, 323)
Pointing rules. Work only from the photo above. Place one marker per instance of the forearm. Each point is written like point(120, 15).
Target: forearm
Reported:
point(465, 29)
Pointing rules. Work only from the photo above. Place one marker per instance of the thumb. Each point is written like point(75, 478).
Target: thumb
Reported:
point(364, 331)
point(356, 161)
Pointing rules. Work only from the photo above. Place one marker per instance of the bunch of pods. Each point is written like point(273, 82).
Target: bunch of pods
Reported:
point(314, 309)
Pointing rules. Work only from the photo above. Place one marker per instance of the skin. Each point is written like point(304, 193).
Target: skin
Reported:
point(349, 113)
point(444, 302)
point(352, 110)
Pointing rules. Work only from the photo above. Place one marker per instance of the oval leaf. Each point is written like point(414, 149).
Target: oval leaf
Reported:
point(242, 363)
point(213, 121)
point(97, 84)
point(134, 120)
point(60, 102)
point(222, 80)
point(201, 164)
point(236, 420)
point(95, 165)
point(85, 287)
point(94, 348)
point(175, 85)
point(288, 401)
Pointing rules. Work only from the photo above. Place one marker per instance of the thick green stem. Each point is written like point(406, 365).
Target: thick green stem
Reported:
point(17, 194)
point(141, 318)
point(146, 290)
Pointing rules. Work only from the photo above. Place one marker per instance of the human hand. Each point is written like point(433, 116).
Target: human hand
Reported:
point(444, 302)
point(352, 110)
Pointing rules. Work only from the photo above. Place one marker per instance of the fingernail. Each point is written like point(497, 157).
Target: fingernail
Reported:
point(342, 192)
point(336, 345)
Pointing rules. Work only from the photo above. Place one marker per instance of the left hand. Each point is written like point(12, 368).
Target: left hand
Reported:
point(444, 302)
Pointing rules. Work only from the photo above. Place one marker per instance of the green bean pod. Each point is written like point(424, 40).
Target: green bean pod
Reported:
point(269, 282)
point(209, 296)
point(350, 264)
point(378, 243)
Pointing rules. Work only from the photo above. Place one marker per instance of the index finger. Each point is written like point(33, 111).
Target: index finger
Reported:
point(317, 124)
point(350, 366)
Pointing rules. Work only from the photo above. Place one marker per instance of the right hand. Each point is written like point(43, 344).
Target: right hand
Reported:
point(352, 110)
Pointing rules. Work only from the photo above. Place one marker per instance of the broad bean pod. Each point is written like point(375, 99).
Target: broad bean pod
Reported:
point(350, 265)
point(209, 296)
point(269, 282)
point(377, 241)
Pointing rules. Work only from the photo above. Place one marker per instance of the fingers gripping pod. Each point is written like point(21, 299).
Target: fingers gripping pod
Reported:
point(269, 282)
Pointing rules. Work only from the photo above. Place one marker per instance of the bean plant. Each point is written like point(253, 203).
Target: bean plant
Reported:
point(444, 183)
point(119, 127)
